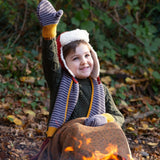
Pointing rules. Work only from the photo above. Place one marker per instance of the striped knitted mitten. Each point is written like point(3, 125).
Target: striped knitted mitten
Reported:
point(96, 120)
point(47, 14)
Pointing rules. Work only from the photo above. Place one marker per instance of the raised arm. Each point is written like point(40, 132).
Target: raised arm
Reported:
point(49, 19)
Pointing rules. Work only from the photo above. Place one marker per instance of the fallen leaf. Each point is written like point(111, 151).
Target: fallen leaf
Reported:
point(17, 121)
point(150, 70)
point(12, 118)
point(30, 113)
point(152, 144)
point(153, 120)
point(145, 74)
point(157, 99)
point(123, 103)
point(5, 106)
point(136, 99)
point(106, 80)
point(130, 129)
point(27, 79)
point(135, 81)
point(145, 100)
point(28, 71)
point(9, 57)
point(26, 93)
point(144, 125)
point(112, 90)
point(130, 109)
point(44, 112)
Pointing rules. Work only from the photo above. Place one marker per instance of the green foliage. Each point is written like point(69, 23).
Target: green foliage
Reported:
point(129, 28)
point(135, 33)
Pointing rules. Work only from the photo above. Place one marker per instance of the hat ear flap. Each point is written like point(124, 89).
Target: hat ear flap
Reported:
point(61, 57)
point(59, 50)
point(96, 66)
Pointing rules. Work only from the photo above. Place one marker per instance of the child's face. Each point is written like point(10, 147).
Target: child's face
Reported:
point(80, 62)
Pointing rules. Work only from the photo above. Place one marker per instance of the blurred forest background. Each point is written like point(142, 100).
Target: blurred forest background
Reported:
point(126, 36)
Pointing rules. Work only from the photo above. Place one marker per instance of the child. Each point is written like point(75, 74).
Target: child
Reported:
point(72, 75)
point(78, 100)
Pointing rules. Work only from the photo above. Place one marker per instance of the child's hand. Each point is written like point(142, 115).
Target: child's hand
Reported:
point(47, 14)
point(96, 120)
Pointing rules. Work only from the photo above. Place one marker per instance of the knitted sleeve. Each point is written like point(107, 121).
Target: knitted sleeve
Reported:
point(112, 109)
point(51, 66)
point(52, 70)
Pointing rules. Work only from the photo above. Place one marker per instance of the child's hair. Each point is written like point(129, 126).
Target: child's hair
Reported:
point(71, 47)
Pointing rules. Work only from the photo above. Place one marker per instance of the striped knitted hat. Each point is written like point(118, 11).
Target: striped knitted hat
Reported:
point(70, 36)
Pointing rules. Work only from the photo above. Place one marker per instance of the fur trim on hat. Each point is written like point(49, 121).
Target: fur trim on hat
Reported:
point(74, 35)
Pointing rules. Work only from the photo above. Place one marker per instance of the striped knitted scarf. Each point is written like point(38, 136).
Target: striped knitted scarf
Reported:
point(67, 99)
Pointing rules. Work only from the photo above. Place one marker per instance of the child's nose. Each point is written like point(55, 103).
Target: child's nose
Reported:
point(83, 61)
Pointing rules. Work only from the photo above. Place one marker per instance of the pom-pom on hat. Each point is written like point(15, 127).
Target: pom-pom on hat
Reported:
point(74, 35)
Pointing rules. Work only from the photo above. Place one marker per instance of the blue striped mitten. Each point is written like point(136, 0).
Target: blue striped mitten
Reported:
point(47, 14)
point(96, 120)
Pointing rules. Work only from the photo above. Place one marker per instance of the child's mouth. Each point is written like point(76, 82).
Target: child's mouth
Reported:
point(84, 68)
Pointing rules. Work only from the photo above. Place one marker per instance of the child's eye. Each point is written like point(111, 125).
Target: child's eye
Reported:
point(75, 58)
point(87, 55)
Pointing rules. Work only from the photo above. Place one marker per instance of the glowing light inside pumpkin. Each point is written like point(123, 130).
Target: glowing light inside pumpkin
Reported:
point(68, 149)
point(88, 141)
point(97, 155)
point(111, 149)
